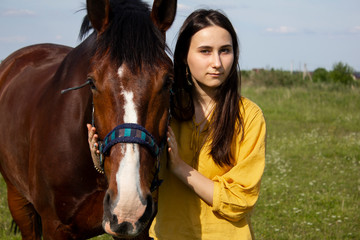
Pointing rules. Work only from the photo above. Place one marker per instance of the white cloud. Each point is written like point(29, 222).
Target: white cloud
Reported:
point(355, 29)
point(281, 29)
point(183, 7)
point(14, 39)
point(18, 12)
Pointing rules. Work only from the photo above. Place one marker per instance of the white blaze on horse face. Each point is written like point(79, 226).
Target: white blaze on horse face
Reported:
point(129, 205)
point(130, 113)
point(121, 71)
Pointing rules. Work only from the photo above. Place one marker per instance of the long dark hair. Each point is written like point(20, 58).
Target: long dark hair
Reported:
point(226, 114)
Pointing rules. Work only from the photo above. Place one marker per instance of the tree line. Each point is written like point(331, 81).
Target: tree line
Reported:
point(341, 74)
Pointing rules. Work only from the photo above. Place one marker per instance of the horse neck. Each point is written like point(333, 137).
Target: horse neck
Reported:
point(75, 66)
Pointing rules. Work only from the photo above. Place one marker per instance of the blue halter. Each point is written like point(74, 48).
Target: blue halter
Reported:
point(129, 133)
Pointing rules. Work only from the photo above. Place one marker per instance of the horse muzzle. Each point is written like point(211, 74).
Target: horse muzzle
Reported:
point(128, 219)
point(129, 207)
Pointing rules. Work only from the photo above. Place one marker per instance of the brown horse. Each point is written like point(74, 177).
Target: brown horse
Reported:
point(53, 188)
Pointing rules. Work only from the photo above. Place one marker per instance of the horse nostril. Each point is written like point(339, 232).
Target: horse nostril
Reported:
point(114, 219)
point(107, 199)
point(149, 211)
point(106, 205)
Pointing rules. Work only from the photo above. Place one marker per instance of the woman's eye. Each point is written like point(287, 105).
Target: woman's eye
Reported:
point(205, 51)
point(225, 50)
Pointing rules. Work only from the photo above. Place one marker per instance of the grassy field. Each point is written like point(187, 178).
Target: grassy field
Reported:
point(311, 185)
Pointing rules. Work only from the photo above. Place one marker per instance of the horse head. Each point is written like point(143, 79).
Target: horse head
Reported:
point(130, 76)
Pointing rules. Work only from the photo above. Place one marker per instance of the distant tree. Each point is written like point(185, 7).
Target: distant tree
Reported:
point(320, 75)
point(342, 73)
point(245, 73)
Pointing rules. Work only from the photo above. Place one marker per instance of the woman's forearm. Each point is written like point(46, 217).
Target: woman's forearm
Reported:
point(200, 184)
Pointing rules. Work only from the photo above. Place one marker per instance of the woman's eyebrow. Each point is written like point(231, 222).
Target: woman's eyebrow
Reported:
point(204, 46)
point(227, 46)
point(224, 46)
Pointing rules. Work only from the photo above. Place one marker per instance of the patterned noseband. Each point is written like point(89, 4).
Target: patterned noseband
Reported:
point(129, 133)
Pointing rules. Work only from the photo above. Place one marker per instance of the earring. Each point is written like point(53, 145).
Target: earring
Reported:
point(188, 76)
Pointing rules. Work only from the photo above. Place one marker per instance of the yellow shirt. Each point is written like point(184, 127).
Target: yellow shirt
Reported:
point(183, 215)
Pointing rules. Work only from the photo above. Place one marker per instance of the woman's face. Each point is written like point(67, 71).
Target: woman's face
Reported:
point(210, 57)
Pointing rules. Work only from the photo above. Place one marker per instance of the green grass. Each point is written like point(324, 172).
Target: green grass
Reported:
point(5, 217)
point(311, 184)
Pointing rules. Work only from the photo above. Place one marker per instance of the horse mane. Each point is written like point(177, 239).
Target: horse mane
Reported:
point(131, 36)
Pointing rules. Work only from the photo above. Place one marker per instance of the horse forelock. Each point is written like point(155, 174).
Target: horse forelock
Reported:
point(131, 36)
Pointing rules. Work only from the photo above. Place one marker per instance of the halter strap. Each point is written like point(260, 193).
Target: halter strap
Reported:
point(76, 88)
point(132, 133)
point(129, 133)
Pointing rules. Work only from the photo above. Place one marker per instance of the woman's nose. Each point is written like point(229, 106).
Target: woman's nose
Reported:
point(216, 60)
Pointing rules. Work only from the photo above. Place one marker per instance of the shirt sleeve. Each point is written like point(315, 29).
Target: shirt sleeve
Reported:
point(236, 192)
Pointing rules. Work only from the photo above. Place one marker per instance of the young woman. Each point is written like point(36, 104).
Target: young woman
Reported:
point(216, 142)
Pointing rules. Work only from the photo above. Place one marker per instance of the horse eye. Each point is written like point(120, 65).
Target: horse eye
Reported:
point(169, 80)
point(91, 83)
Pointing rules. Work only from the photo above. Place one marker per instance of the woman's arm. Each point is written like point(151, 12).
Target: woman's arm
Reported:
point(201, 185)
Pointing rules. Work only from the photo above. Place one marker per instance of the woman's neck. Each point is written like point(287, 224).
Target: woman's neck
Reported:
point(204, 104)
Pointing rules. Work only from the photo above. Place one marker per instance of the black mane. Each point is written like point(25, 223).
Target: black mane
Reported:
point(131, 36)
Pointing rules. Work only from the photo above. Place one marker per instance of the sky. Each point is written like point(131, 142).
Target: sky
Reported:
point(278, 34)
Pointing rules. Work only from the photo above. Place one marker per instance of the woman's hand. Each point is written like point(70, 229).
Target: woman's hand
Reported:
point(175, 159)
point(93, 143)
point(201, 185)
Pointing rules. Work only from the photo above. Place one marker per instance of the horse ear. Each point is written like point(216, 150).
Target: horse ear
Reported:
point(98, 13)
point(163, 14)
